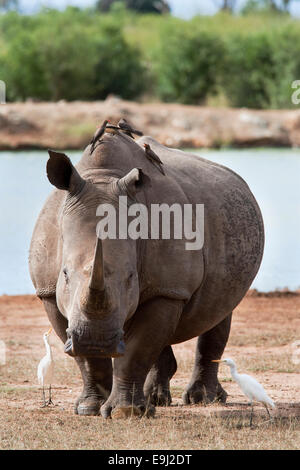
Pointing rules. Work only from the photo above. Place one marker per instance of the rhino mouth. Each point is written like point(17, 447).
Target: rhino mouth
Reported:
point(103, 346)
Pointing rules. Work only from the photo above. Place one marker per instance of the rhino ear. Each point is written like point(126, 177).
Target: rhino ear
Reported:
point(62, 174)
point(136, 180)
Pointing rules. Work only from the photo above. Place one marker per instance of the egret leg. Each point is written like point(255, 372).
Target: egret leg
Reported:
point(251, 415)
point(271, 419)
point(44, 399)
point(50, 402)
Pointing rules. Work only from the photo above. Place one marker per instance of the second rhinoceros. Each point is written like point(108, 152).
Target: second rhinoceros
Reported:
point(131, 299)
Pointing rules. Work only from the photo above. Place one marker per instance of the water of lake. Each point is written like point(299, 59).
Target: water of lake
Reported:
point(272, 174)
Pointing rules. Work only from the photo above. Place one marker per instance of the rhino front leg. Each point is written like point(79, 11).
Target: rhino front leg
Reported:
point(148, 333)
point(97, 382)
point(204, 385)
point(157, 385)
point(96, 373)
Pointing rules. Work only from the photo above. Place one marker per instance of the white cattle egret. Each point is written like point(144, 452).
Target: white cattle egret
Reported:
point(250, 387)
point(45, 369)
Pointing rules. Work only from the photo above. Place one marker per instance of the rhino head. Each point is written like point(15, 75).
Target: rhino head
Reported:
point(98, 285)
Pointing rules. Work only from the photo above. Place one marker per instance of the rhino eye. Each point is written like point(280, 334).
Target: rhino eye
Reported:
point(88, 268)
point(129, 279)
point(66, 274)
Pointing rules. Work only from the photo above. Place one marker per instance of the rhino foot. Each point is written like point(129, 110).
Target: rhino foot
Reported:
point(88, 406)
point(157, 384)
point(108, 410)
point(204, 393)
point(132, 411)
point(159, 397)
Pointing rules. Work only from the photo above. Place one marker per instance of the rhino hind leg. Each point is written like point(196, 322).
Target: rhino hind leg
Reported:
point(96, 373)
point(204, 386)
point(157, 384)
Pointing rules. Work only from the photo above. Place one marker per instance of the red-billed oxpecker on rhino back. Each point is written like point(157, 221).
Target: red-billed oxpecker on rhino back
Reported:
point(130, 298)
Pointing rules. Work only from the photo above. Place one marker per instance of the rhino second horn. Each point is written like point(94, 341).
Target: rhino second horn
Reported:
point(97, 276)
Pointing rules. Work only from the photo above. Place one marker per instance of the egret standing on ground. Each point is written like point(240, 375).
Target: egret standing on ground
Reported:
point(250, 387)
point(45, 369)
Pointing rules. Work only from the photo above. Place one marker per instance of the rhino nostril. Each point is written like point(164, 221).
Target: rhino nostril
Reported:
point(68, 346)
point(121, 348)
point(85, 341)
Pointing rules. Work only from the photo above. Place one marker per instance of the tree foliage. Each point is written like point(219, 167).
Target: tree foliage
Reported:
point(225, 5)
point(189, 66)
point(8, 4)
point(80, 55)
point(267, 6)
point(69, 56)
point(250, 71)
point(141, 6)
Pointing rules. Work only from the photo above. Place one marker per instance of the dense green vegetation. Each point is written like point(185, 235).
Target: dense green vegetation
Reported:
point(246, 60)
point(142, 6)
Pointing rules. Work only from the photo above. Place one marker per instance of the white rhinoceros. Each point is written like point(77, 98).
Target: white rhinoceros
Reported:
point(131, 299)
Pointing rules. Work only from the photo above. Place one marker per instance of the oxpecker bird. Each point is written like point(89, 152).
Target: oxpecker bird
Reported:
point(98, 134)
point(153, 158)
point(126, 127)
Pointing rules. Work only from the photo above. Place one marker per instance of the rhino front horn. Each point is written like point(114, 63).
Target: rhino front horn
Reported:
point(97, 276)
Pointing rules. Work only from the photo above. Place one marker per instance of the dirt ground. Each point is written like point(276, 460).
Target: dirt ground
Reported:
point(263, 338)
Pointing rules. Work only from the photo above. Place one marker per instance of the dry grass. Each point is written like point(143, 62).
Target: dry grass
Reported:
point(266, 339)
point(55, 429)
point(262, 332)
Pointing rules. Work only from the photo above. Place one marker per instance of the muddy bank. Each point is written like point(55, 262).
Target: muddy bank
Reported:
point(65, 125)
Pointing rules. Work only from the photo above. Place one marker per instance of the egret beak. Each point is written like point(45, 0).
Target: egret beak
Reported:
point(49, 331)
point(217, 360)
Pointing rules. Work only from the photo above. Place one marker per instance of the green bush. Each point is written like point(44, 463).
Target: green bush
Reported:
point(49, 64)
point(68, 56)
point(189, 66)
point(286, 59)
point(249, 71)
point(142, 6)
point(118, 68)
point(249, 61)
point(261, 67)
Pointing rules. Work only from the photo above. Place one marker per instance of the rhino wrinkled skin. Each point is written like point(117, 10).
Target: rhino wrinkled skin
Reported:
point(132, 299)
